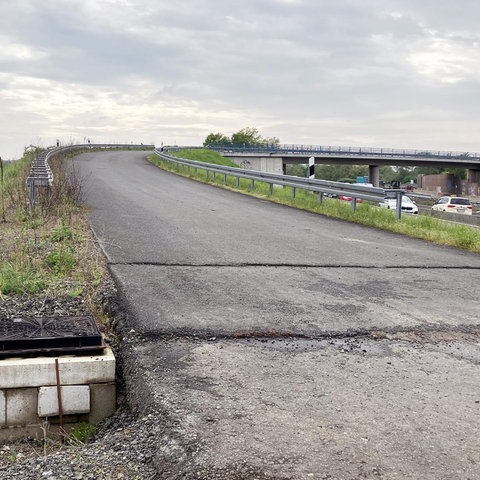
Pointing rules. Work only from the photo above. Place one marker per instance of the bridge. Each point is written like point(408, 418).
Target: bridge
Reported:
point(275, 158)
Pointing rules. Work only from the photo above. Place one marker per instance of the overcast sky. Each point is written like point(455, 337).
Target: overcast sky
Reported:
point(380, 73)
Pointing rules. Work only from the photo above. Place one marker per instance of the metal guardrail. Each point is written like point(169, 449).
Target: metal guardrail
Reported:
point(293, 149)
point(41, 174)
point(322, 187)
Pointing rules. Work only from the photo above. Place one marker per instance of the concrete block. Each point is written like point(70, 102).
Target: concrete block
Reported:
point(103, 401)
point(3, 408)
point(75, 399)
point(40, 371)
point(22, 406)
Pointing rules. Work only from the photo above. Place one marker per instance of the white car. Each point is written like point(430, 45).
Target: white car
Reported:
point(454, 205)
point(408, 205)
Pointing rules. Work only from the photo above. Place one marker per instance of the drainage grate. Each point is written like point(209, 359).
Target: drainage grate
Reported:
point(49, 335)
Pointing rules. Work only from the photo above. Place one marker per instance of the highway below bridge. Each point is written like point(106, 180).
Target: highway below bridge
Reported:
point(275, 159)
point(271, 343)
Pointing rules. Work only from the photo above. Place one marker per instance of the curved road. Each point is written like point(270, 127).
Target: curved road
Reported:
point(275, 343)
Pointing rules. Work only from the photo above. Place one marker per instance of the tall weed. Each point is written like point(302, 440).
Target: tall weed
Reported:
point(16, 279)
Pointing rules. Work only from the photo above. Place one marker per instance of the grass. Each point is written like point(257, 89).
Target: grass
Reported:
point(423, 227)
point(82, 433)
point(48, 249)
point(16, 279)
point(204, 155)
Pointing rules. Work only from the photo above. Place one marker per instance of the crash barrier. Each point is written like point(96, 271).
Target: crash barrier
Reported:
point(320, 187)
point(41, 175)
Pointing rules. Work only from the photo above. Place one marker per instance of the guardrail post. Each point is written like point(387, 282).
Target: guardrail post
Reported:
point(354, 203)
point(31, 191)
point(398, 196)
point(320, 197)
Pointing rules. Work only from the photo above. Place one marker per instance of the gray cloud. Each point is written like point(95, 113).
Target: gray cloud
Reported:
point(377, 72)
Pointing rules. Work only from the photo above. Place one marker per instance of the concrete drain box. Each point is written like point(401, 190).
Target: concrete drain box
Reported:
point(49, 335)
point(50, 365)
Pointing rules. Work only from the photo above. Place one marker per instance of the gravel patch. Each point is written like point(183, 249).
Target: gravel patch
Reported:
point(120, 450)
point(123, 445)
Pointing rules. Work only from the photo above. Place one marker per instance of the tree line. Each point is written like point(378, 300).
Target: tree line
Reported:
point(246, 137)
point(349, 173)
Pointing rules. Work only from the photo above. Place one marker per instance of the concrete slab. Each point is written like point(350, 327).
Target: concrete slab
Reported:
point(75, 399)
point(22, 406)
point(306, 409)
point(40, 371)
point(103, 401)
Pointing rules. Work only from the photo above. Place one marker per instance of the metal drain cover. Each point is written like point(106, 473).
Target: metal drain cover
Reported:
point(49, 335)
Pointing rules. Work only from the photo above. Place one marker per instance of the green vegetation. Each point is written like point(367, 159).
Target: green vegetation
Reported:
point(48, 248)
point(246, 137)
point(17, 279)
point(8, 454)
point(82, 433)
point(204, 155)
point(421, 226)
point(349, 173)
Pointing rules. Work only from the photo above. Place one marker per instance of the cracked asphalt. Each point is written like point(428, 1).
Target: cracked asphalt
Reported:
point(272, 343)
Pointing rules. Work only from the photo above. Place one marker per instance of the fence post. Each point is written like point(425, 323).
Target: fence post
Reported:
point(399, 195)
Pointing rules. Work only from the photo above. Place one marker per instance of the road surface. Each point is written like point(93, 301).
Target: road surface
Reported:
point(272, 343)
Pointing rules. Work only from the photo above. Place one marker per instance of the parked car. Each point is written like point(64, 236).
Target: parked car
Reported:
point(454, 205)
point(345, 198)
point(408, 205)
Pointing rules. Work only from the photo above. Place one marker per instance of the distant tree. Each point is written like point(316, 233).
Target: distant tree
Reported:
point(429, 170)
point(248, 137)
point(338, 173)
point(297, 170)
point(387, 174)
point(216, 139)
point(272, 142)
point(459, 172)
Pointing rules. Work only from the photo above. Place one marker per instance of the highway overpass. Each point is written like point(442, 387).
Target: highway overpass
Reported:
point(275, 159)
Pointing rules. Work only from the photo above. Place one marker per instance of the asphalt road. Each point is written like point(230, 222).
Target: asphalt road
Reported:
point(274, 343)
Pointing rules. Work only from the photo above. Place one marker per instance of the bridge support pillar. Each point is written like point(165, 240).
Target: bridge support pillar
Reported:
point(374, 175)
point(473, 175)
